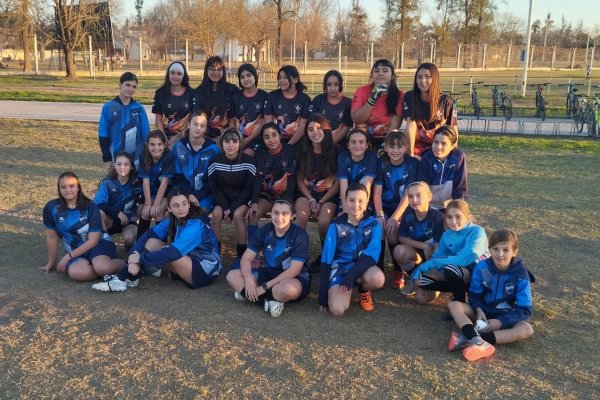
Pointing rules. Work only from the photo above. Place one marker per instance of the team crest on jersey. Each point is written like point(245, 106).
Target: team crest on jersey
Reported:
point(257, 107)
point(169, 105)
point(340, 116)
point(298, 107)
point(284, 164)
point(186, 105)
point(509, 287)
point(134, 114)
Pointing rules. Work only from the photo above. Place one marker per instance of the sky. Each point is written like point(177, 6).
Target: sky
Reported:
point(574, 11)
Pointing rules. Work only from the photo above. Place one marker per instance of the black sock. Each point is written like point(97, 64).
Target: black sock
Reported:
point(361, 288)
point(489, 337)
point(240, 249)
point(143, 226)
point(454, 276)
point(219, 245)
point(469, 331)
point(430, 283)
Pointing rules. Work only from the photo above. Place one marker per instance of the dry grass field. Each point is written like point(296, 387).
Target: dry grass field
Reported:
point(62, 340)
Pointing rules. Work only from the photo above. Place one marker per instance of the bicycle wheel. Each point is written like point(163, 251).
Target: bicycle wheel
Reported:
point(542, 105)
point(579, 120)
point(476, 108)
point(507, 107)
point(590, 120)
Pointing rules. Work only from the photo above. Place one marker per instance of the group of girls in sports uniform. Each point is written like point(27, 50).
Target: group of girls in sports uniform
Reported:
point(225, 154)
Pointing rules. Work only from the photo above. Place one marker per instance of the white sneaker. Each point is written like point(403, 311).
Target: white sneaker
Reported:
point(238, 296)
point(110, 284)
point(274, 307)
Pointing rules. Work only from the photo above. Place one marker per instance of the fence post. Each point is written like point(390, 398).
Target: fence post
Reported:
point(91, 56)
point(141, 56)
point(431, 52)
point(458, 56)
point(402, 55)
point(553, 57)
point(484, 54)
point(305, 55)
point(573, 59)
point(508, 55)
point(339, 56)
point(372, 43)
point(531, 58)
point(187, 48)
point(35, 55)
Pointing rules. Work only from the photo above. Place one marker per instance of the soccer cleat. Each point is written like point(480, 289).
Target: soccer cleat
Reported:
point(366, 301)
point(132, 283)
point(397, 279)
point(111, 283)
point(238, 296)
point(274, 307)
point(457, 341)
point(477, 348)
point(409, 288)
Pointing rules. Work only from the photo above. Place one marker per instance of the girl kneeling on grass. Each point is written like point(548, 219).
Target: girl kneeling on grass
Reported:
point(157, 168)
point(116, 198)
point(444, 168)
point(76, 221)
point(283, 275)
point(499, 299)
point(184, 242)
point(421, 228)
point(449, 269)
point(350, 256)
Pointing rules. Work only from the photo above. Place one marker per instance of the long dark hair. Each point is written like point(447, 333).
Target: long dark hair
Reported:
point(195, 212)
point(306, 156)
point(292, 73)
point(166, 86)
point(112, 173)
point(393, 95)
point(434, 92)
point(250, 68)
point(147, 156)
point(218, 98)
point(235, 135)
point(82, 199)
point(339, 77)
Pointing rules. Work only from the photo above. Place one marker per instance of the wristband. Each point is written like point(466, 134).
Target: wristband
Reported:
point(380, 214)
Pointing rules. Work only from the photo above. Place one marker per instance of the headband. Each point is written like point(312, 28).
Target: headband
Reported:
point(176, 67)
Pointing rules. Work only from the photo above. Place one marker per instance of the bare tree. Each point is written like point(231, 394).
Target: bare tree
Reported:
point(159, 24)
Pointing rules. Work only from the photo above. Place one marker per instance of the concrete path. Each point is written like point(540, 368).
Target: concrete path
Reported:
point(55, 111)
point(91, 113)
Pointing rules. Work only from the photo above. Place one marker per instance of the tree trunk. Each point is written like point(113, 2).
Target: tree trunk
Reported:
point(27, 38)
point(70, 66)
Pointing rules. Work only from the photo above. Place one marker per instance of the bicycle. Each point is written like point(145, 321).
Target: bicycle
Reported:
point(572, 103)
point(502, 101)
point(540, 103)
point(580, 115)
point(455, 97)
point(475, 98)
point(592, 116)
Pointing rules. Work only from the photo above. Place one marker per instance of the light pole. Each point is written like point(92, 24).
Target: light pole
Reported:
point(528, 42)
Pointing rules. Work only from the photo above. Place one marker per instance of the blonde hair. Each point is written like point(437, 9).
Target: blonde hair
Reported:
point(461, 206)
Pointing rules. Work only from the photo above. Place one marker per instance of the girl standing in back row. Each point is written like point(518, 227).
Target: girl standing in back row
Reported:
point(426, 109)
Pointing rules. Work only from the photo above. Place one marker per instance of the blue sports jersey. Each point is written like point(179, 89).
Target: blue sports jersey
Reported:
point(348, 252)
point(287, 113)
point(506, 295)
point(429, 230)
point(191, 167)
point(336, 114)
point(73, 226)
point(393, 179)
point(448, 178)
point(112, 197)
point(248, 111)
point(279, 252)
point(194, 239)
point(123, 128)
point(164, 168)
point(353, 171)
point(462, 248)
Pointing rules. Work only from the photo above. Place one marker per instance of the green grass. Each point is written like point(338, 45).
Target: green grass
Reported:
point(60, 339)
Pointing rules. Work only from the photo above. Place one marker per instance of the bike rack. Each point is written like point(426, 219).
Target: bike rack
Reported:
point(503, 126)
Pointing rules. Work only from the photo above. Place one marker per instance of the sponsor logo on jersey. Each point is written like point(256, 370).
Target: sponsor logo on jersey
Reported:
point(509, 287)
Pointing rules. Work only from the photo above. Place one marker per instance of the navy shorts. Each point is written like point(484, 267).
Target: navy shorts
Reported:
point(199, 276)
point(117, 227)
point(103, 248)
point(266, 274)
